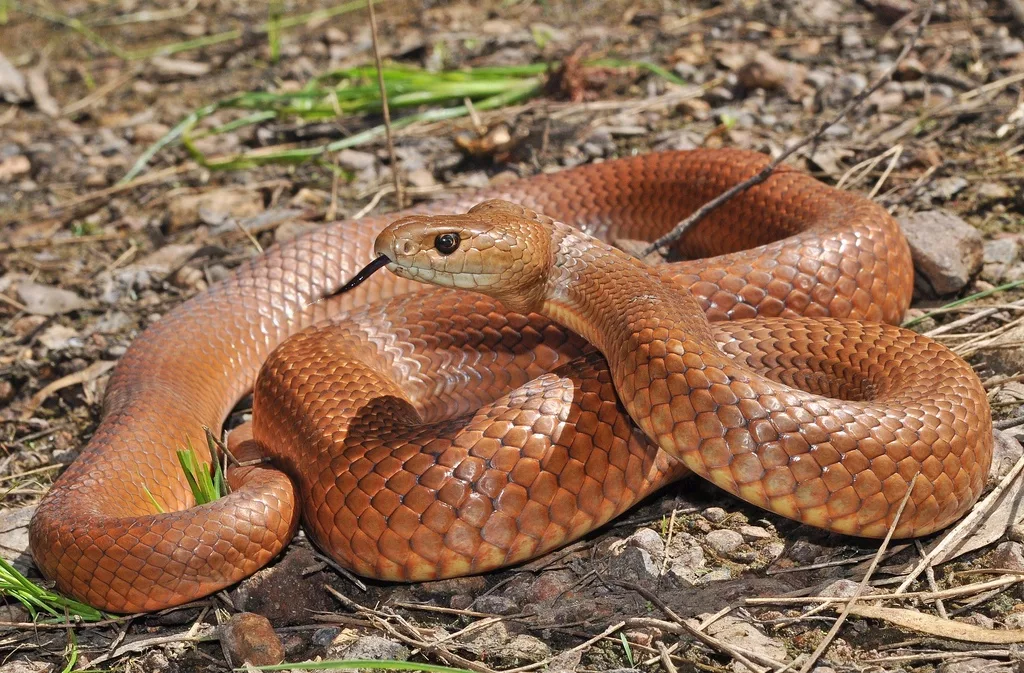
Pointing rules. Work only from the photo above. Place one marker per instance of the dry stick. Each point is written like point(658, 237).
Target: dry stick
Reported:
point(957, 533)
point(824, 644)
point(930, 575)
point(399, 196)
point(766, 172)
point(955, 592)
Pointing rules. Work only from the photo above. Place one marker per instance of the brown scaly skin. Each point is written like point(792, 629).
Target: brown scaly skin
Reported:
point(515, 458)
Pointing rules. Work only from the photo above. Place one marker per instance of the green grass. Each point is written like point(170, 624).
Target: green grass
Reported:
point(427, 96)
point(43, 602)
point(206, 482)
point(966, 300)
point(360, 664)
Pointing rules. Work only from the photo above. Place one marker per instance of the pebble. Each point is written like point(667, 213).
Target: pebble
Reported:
point(715, 514)
point(742, 634)
point(724, 542)
point(249, 638)
point(354, 160)
point(370, 647)
point(971, 665)
point(844, 588)
point(754, 533)
point(633, 565)
point(496, 605)
point(1008, 555)
point(685, 558)
point(1014, 620)
point(213, 207)
point(49, 301)
point(1006, 451)
point(945, 189)
point(998, 257)
point(946, 250)
point(716, 575)
point(648, 540)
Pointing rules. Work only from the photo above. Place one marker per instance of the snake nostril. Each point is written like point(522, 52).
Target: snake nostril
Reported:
point(408, 247)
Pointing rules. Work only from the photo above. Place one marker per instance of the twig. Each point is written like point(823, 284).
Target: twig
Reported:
point(766, 172)
point(399, 196)
point(965, 590)
point(930, 576)
point(827, 640)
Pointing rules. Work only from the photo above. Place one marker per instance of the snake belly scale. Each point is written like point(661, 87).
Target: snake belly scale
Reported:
point(430, 433)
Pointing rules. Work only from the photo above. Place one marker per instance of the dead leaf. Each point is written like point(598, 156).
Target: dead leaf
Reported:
point(174, 66)
point(47, 300)
point(40, 90)
point(936, 626)
point(93, 371)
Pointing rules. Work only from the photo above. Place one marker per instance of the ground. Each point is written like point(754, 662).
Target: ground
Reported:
point(97, 244)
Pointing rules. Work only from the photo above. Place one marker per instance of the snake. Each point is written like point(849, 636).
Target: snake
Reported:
point(544, 384)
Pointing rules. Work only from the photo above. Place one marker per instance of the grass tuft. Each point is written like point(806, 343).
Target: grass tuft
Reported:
point(206, 482)
point(354, 91)
point(38, 600)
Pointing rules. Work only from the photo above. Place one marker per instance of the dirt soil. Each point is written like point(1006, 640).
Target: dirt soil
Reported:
point(690, 580)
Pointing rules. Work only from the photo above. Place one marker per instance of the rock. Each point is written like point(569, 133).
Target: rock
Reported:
point(970, 665)
point(284, 593)
point(421, 177)
point(803, 551)
point(998, 256)
point(496, 605)
point(649, 541)
point(978, 619)
point(248, 638)
point(633, 565)
point(353, 160)
point(213, 207)
point(550, 585)
point(685, 558)
point(946, 250)
point(754, 533)
point(524, 648)
point(489, 639)
point(13, 612)
point(1008, 555)
point(715, 514)
point(724, 542)
point(58, 337)
point(945, 189)
point(1006, 451)
point(149, 132)
point(995, 191)
point(1014, 620)
point(47, 300)
point(743, 634)
point(843, 588)
point(370, 647)
point(716, 575)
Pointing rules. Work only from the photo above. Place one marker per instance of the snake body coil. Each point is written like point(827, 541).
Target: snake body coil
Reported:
point(436, 433)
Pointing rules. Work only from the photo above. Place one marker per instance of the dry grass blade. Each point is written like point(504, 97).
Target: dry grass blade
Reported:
point(937, 626)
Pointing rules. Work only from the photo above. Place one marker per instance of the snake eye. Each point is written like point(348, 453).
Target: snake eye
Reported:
point(446, 244)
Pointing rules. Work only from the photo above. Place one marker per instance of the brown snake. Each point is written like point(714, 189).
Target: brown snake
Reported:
point(440, 433)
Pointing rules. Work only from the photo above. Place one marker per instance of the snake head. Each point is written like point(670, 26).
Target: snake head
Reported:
point(497, 248)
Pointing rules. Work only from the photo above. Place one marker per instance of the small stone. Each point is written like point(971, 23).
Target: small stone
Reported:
point(743, 634)
point(754, 533)
point(971, 665)
point(1006, 451)
point(325, 636)
point(946, 250)
point(945, 189)
point(26, 666)
point(496, 605)
point(371, 647)
point(845, 589)
point(764, 71)
point(999, 255)
point(978, 619)
point(803, 551)
point(685, 558)
point(633, 565)
point(649, 541)
point(1014, 620)
point(716, 575)
point(421, 177)
point(59, 337)
point(524, 648)
point(1008, 555)
point(715, 514)
point(248, 638)
point(724, 542)
point(353, 160)
point(149, 132)
point(550, 585)
point(995, 191)
point(1016, 532)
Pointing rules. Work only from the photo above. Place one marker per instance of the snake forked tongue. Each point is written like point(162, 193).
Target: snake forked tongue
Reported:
point(362, 275)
